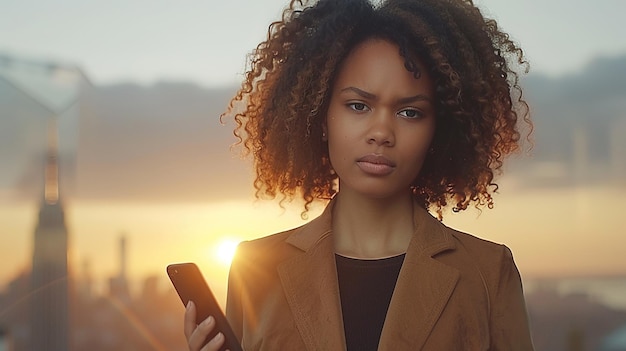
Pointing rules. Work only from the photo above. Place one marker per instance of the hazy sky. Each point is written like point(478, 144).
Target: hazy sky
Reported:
point(207, 41)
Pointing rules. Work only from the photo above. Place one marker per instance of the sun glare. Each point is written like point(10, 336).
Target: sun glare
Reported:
point(225, 250)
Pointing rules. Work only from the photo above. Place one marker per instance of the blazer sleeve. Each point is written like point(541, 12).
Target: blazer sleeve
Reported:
point(509, 319)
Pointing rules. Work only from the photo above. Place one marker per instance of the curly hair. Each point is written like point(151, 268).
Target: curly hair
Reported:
point(282, 103)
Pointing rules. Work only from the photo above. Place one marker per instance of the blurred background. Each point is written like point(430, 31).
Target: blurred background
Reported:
point(113, 164)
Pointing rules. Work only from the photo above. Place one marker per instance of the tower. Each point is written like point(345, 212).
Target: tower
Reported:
point(123, 257)
point(49, 310)
point(118, 285)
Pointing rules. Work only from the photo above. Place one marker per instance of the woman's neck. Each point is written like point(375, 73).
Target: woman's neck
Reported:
point(372, 228)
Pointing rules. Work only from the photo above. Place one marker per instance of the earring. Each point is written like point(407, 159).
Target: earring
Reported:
point(324, 138)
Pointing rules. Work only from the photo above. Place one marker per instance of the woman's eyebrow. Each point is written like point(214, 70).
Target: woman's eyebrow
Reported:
point(364, 94)
point(416, 98)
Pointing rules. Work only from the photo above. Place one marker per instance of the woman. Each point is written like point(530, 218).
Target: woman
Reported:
point(386, 111)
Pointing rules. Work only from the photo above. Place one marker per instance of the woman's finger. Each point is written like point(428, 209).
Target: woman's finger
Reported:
point(190, 319)
point(196, 334)
point(215, 343)
point(199, 335)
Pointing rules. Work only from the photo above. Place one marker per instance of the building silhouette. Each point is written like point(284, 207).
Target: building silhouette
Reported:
point(49, 308)
point(118, 285)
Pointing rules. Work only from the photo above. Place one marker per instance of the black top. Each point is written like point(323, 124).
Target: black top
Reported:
point(365, 287)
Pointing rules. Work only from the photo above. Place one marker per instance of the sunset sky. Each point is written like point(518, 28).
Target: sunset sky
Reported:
point(551, 231)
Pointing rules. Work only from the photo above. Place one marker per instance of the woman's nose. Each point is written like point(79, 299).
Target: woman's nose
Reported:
point(381, 130)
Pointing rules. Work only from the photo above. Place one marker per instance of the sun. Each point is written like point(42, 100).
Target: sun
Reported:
point(225, 250)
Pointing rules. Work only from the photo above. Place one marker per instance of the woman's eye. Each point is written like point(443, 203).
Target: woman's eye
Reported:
point(357, 106)
point(410, 113)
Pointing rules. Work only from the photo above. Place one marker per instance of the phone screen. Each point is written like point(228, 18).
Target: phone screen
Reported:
point(190, 285)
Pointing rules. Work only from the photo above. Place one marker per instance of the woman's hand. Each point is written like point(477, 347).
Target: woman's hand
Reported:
point(196, 334)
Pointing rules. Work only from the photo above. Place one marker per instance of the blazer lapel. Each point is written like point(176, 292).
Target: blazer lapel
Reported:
point(310, 284)
point(422, 291)
point(423, 287)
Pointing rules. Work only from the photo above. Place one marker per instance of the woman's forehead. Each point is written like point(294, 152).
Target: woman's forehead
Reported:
point(377, 63)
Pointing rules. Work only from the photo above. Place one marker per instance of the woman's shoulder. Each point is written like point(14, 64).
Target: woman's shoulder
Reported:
point(473, 252)
point(477, 244)
point(460, 242)
point(273, 247)
point(266, 242)
point(467, 250)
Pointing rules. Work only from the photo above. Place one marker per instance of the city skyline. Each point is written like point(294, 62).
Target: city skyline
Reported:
point(156, 163)
point(149, 317)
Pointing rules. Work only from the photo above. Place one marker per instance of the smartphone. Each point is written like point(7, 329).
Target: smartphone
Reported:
point(190, 285)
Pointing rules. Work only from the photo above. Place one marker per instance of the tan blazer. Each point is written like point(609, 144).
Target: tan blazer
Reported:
point(454, 292)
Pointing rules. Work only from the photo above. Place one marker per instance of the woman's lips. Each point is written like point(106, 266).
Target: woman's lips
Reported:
point(377, 165)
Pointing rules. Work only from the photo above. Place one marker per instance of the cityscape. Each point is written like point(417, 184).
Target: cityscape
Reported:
point(90, 149)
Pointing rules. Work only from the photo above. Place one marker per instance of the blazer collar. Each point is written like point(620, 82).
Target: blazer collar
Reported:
point(309, 280)
point(423, 288)
point(315, 231)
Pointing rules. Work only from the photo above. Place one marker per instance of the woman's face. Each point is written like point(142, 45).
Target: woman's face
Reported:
point(380, 121)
